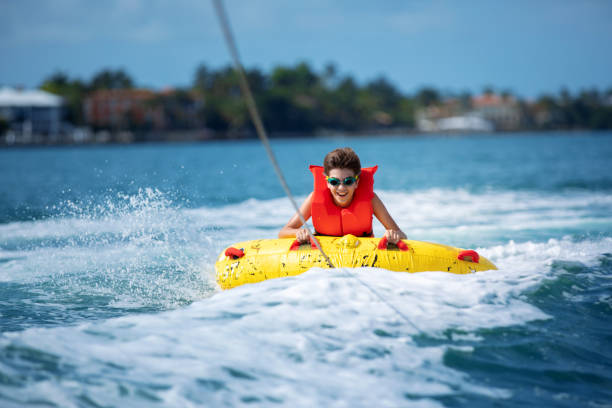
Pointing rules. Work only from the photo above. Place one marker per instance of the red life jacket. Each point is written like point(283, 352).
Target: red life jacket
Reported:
point(330, 219)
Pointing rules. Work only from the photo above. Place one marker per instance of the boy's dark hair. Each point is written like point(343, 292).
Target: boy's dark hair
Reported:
point(343, 158)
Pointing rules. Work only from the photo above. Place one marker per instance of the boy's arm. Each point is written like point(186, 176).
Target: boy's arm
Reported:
point(293, 227)
point(392, 230)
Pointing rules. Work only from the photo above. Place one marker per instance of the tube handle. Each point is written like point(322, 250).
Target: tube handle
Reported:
point(234, 253)
point(384, 243)
point(296, 244)
point(469, 255)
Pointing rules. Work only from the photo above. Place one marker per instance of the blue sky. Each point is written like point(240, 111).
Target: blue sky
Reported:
point(527, 47)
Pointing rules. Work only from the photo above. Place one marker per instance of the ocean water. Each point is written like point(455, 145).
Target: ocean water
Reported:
point(108, 296)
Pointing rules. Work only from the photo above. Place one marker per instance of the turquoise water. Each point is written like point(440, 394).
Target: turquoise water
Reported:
point(108, 298)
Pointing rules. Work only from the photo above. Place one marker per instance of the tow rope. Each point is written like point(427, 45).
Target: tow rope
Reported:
point(256, 118)
point(261, 133)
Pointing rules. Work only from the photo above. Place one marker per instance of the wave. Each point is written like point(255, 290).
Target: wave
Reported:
point(432, 208)
point(120, 299)
point(143, 252)
point(317, 339)
point(455, 217)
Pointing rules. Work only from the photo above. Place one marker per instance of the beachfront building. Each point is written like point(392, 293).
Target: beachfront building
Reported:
point(503, 111)
point(485, 113)
point(128, 115)
point(453, 115)
point(31, 116)
point(120, 109)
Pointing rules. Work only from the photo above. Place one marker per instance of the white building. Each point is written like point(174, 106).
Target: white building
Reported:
point(504, 112)
point(30, 114)
point(467, 123)
point(485, 113)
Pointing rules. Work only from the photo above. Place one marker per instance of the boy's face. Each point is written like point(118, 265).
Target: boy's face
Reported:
point(341, 193)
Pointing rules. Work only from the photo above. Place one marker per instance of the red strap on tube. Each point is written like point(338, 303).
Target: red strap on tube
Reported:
point(234, 252)
point(296, 244)
point(384, 243)
point(469, 255)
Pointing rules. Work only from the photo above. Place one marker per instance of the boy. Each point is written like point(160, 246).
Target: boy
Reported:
point(343, 201)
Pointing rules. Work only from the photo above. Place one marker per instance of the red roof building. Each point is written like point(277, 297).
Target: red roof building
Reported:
point(504, 111)
point(122, 109)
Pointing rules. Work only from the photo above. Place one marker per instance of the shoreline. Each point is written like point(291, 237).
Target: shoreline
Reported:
point(188, 137)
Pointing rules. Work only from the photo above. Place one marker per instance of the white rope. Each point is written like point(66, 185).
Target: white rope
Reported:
point(261, 133)
point(259, 127)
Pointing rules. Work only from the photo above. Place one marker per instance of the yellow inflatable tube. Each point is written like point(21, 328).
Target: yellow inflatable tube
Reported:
point(258, 260)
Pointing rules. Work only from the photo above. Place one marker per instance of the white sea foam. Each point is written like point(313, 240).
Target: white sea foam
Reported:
point(318, 339)
point(138, 247)
point(444, 214)
point(457, 216)
point(424, 213)
point(306, 341)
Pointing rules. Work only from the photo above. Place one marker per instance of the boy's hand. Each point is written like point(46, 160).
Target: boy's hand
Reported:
point(394, 235)
point(302, 235)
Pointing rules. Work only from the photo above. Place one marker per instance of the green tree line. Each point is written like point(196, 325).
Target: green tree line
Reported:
point(300, 99)
point(589, 109)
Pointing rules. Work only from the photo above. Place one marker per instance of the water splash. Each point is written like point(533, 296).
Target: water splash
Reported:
point(128, 253)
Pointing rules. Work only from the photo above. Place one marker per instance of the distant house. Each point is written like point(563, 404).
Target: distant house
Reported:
point(32, 115)
point(483, 113)
point(465, 123)
point(504, 112)
point(116, 109)
point(451, 116)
